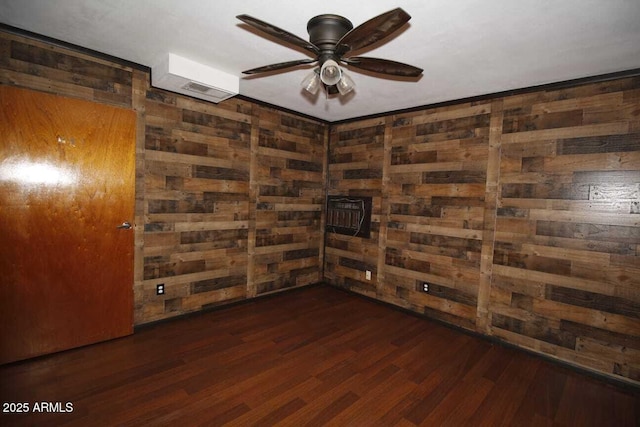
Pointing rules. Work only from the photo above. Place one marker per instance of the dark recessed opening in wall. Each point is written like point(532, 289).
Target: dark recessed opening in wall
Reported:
point(349, 215)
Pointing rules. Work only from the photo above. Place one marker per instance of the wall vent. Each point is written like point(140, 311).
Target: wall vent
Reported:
point(349, 215)
point(188, 77)
point(196, 87)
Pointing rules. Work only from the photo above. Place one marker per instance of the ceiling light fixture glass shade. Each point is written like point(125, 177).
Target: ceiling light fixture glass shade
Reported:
point(345, 85)
point(312, 82)
point(330, 73)
point(326, 77)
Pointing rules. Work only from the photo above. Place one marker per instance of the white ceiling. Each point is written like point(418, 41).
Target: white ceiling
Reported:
point(466, 47)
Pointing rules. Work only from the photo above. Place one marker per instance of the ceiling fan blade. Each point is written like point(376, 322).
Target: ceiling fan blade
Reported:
point(384, 66)
point(373, 30)
point(279, 33)
point(279, 66)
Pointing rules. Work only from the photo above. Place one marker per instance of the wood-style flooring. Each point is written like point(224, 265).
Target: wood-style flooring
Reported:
point(314, 356)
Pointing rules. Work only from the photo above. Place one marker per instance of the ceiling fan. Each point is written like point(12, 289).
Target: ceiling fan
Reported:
point(332, 39)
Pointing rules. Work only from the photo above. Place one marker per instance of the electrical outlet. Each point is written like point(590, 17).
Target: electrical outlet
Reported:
point(367, 274)
point(160, 289)
point(425, 287)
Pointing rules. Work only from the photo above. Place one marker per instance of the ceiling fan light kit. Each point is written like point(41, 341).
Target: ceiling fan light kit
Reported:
point(331, 39)
point(317, 79)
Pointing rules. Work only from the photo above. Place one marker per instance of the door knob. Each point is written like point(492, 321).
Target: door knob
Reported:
point(125, 225)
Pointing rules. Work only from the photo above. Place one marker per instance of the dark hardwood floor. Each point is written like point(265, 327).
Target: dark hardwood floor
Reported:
point(314, 356)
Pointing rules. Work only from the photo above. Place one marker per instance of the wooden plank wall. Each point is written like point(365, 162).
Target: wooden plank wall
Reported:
point(229, 196)
point(566, 264)
point(196, 175)
point(233, 203)
point(289, 180)
point(356, 158)
point(36, 65)
point(521, 212)
point(234, 197)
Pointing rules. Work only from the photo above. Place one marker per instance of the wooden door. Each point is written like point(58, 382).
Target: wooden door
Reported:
point(67, 170)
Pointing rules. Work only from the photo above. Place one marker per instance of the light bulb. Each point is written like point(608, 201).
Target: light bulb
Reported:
point(330, 73)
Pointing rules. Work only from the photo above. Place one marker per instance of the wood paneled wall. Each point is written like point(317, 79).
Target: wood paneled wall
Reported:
point(32, 64)
point(356, 159)
point(229, 196)
point(233, 202)
point(288, 186)
point(522, 213)
point(566, 262)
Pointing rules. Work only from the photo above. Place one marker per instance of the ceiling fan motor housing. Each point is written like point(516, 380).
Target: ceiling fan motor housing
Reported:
point(325, 31)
